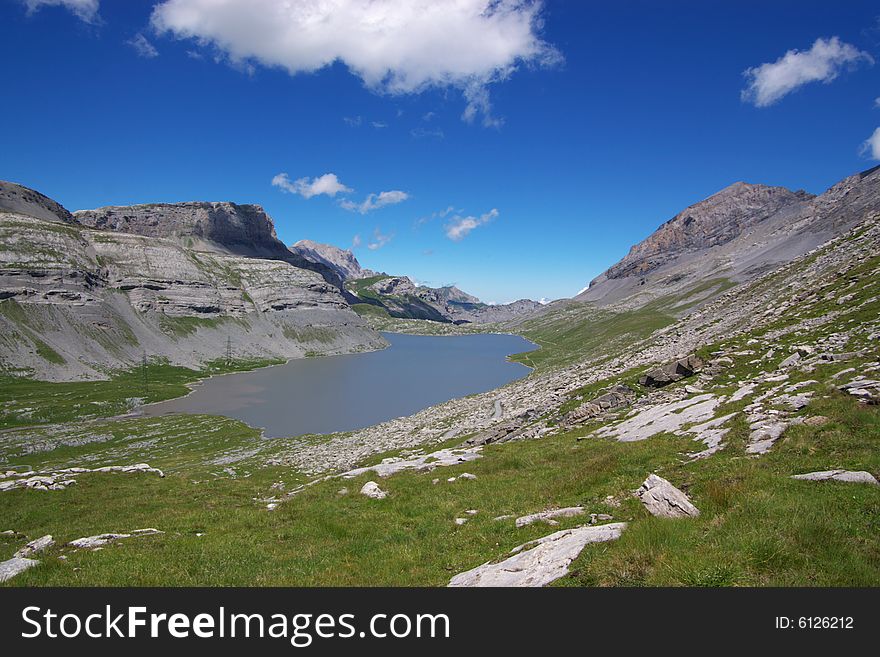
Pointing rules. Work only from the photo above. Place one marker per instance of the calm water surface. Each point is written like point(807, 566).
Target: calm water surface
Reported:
point(343, 393)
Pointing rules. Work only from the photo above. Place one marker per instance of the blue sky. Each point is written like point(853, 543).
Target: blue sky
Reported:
point(521, 154)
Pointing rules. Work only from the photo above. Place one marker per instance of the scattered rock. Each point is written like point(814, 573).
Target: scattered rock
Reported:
point(36, 546)
point(551, 514)
point(99, 541)
point(791, 361)
point(371, 489)
point(423, 462)
point(849, 476)
point(460, 521)
point(467, 475)
point(12, 567)
point(61, 479)
point(671, 372)
point(542, 564)
point(664, 500)
point(615, 398)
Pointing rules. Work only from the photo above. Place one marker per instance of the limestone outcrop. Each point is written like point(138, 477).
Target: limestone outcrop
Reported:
point(539, 562)
point(664, 500)
point(80, 296)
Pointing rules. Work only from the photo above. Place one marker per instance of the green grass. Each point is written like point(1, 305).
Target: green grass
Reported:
point(369, 310)
point(757, 527)
point(25, 402)
point(582, 332)
point(184, 326)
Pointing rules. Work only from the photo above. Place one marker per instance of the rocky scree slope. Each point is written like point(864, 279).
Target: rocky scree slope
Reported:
point(77, 302)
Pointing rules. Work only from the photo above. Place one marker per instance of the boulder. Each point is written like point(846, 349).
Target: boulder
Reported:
point(371, 489)
point(12, 567)
point(540, 562)
point(35, 547)
point(664, 500)
point(100, 540)
point(671, 372)
point(849, 476)
point(618, 396)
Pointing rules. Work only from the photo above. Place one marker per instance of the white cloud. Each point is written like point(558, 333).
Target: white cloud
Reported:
point(379, 125)
point(375, 201)
point(327, 184)
point(394, 46)
point(143, 47)
point(421, 133)
point(379, 240)
point(877, 103)
point(460, 227)
point(871, 146)
point(352, 121)
point(439, 214)
point(356, 242)
point(823, 62)
point(86, 10)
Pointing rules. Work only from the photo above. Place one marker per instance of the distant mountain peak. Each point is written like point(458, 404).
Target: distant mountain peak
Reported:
point(342, 261)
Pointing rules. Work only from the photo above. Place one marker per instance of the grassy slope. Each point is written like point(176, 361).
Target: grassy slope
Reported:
point(758, 527)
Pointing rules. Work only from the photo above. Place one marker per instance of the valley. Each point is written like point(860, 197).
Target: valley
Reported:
point(735, 349)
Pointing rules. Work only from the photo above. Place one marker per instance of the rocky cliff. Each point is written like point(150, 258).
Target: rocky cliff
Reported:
point(343, 262)
point(716, 220)
point(78, 302)
point(244, 230)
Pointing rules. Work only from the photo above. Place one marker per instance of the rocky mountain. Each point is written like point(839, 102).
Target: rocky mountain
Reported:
point(733, 236)
point(400, 297)
point(174, 282)
point(343, 262)
point(22, 200)
point(228, 228)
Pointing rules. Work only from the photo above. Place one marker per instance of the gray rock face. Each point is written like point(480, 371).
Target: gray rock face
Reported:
point(671, 372)
point(17, 199)
point(102, 298)
point(12, 567)
point(849, 476)
point(343, 262)
point(711, 222)
point(226, 228)
point(540, 562)
point(664, 500)
point(739, 234)
point(240, 229)
point(402, 298)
